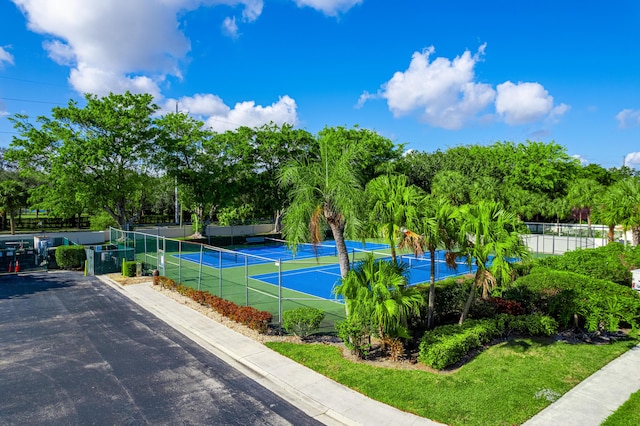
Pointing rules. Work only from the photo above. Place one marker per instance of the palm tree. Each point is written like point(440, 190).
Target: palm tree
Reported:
point(435, 227)
point(490, 240)
point(325, 192)
point(13, 196)
point(625, 206)
point(452, 185)
point(609, 209)
point(582, 195)
point(392, 202)
point(376, 291)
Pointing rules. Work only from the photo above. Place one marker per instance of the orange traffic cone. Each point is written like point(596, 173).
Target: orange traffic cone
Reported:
point(17, 266)
point(10, 266)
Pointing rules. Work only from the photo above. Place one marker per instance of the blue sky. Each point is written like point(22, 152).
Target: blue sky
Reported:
point(429, 74)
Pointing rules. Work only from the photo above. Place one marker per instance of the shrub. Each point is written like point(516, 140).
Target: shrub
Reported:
point(70, 257)
point(302, 321)
point(534, 325)
point(612, 262)
point(591, 303)
point(356, 335)
point(247, 315)
point(506, 306)
point(129, 268)
point(448, 344)
point(450, 297)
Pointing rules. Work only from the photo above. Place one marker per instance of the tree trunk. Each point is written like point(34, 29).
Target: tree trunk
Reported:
point(343, 255)
point(472, 293)
point(12, 222)
point(432, 291)
point(611, 233)
point(635, 235)
point(277, 226)
point(392, 244)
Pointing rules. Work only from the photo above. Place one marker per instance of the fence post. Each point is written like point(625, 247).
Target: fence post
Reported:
point(200, 268)
point(220, 273)
point(246, 280)
point(280, 292)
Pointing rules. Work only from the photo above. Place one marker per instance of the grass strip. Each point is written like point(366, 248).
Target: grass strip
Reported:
point(627, 415)
point(506, 384)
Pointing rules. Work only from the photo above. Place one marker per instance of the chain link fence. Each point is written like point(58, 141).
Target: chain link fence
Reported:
point(226, 273)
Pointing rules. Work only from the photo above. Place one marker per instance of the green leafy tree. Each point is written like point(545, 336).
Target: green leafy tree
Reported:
point(195, 158)
point(452, 185)
point(526, 204)
point(538, 167)
point(99, 152)
point(490, 240)
point(325, 191)
point(262, 152)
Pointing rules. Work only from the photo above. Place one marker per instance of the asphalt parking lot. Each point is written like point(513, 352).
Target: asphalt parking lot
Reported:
point(75, 351)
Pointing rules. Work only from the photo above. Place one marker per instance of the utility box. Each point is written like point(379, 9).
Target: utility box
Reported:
point(635, 279)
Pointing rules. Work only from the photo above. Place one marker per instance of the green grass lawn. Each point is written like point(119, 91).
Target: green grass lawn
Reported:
point(504, 385)
point(627, 415)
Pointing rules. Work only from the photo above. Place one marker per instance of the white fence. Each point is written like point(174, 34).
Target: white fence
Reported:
point(551, 238)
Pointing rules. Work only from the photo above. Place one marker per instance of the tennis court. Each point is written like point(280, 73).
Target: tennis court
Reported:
point(273, 251)
point(319, 281)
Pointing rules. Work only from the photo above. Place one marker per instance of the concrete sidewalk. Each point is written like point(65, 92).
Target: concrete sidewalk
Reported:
point(597, 397)
point(331, 403)
point(321, 398)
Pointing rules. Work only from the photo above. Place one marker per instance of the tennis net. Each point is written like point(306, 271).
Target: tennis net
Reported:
point(316, 249)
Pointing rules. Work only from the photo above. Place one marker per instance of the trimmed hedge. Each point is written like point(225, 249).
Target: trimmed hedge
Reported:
point(448, 344)
point(129, 268)
point(578, 300)
point(612, 262)
point(70, 257)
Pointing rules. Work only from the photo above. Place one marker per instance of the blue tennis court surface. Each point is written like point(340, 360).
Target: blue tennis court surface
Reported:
point(317, 281)
point(271, 253)
point(320, 281)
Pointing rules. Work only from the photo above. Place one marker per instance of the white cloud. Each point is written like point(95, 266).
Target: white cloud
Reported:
point(86, 79)
point(582, 160)
point(628, 118)
point(329, 7)
point(202, 105)
point(364, 98)
point(230, 28)
point(60, 52)
point(525, 103)
point(443, 92)
point(632, 159)
point(126, 41)
point(251, 115)
point(5, 57)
